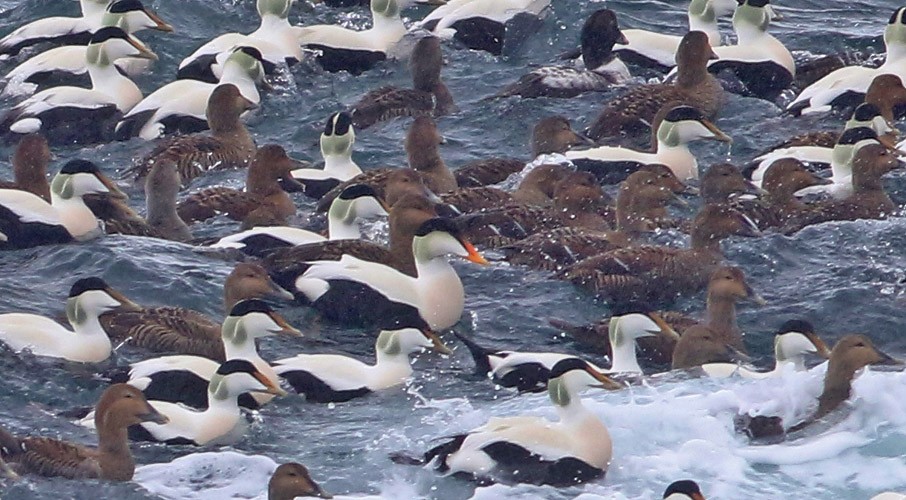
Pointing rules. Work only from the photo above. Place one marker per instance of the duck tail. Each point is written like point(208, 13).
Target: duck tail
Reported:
point(481, 355)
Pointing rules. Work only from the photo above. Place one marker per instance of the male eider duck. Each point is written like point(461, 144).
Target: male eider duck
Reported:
point(336, 145)
point(30, 161)
point(489, 25)
point(180, 106)
point(846, 86)
point(343, 49)
point(332, 378)
point(429, 95)
point(290, 481)
point(73, 114)
point(602, 68)
point(635, 110)
point(27, 220)
point(60, 30)
point(275, 40)
point(67, 65)
point(86, 343)
point(119, 407)
point(685, 489)
point(672, 134)
point(229, 144)
point(527, 449)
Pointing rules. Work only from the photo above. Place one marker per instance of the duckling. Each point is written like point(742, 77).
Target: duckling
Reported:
point(181, 105)
point(573, 450)
point(792, 342)
point(650, 273)
point(336, 144)
point(674, 128)
point(73, 114)
point(602, 68)
point(291, 480)
point(86, 343)
point(30, 166)
point(331, 378)
point(184, 331)
point(846, 87)
point(489, 25)
point(119, 407)
point(26, 220)
point(228, 146)
point(161, 189)
point(635, 110)
point(429, 95)
point(685, 489)
point(61, 30)
point(263, 198)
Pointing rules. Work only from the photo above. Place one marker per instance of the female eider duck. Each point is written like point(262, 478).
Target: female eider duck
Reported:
point(229, 144)
point(635, 110)
point(275, 39)
point(27, 220)
point(778, 204)
point(67, 65)
point(86, 343)
point(119, 407)
point(429, 95)
point(336, 145)
point(488, 25)
point(162, 186)
point(332, 378)
point(184, 378)
point(846, 86)
point(343, 49)
point(352, 288)
point(290, 481)
point(73, 114)
point(573, 450)
point(180, 106)
point(602, 68)
point(60, 30)
point(30, 161)
point(792, 342)
point(672, 134)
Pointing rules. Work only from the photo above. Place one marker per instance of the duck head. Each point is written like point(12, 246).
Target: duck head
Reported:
point(871, 162)
point(408, 341)
point(666, 178)
point(895, 35)
point(796, 338)
point(730, 283)
point(684, 124)
point(250, 281)
point(572, 375)
point(869, 115)
point(238, 376)
point(276, 8)
point(91, 297)
point(723, 180)
point(599, 34)
point(291, 481)
point(357, 201)
point(388, 9)
point(685, 489)
point(80, 177)
point(132, 16)
point(787, 176)
point(580, 192)
point(250, 62)
point(752, 18)
point(112, 43)
point(438, 237)
point(338, 136)
point(122, 405)
point(887, 93)
point(252, 318)
point(555, 135)
point(225, 105)
point(699, 345)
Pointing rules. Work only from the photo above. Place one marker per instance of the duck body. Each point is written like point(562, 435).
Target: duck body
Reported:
point(59, 30)
point(491, 26)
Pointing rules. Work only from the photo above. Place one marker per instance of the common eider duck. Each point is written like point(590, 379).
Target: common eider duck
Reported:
point(333, 378)
point(493, 26)
point(290, 481)
point(162, 185)
point(60, 30)
point(779, 204)
point(87, 342)
point(119, 407)
point(30, 161)
point(336, 144)
point(181, 105)
point(888, 94)
point(602, 68)
point(73, 114)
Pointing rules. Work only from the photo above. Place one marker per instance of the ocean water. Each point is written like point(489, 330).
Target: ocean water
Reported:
point(844, 277)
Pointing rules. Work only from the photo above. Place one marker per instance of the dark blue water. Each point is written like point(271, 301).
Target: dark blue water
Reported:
point(843, 277)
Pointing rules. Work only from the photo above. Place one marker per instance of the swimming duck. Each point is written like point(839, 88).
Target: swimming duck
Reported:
point(27, 220)
point(635, 110)
point(868, 199)
point(847, 86)
point(432, 299)
point(263, 198)
point(60, 30)
point(184, 331)
point(162, 186)
point(602, 68)
point(181, 105)
point(723, 180)
point(86, 343)
point(649, 273)
point(275, 39)
point(792, 342)
point(429, 95)
point(342, 49)
point(658, 50)
point(575, 449)
point(229, 145)
point(185, 378)
point(73, 114)
point(783, 179)
point(762, 63)
point(291, 480)
point(685, 489)
point(30, 162)
point(332, 378)
point(488, 25)
point(336, 144)
point(888, 94)
point(67, 65)
point(673, 132)
point(119, 407)
point(117, 217)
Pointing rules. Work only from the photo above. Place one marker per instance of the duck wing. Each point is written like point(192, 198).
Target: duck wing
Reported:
point(470, 200)
point(556, 249)
point(194, 155)
point(118, 217)
point(286, 264)
point(488, 171)
point(167, 329)
point(210, 202)
point(387, 103)
point(634, 111)
point(51, 457)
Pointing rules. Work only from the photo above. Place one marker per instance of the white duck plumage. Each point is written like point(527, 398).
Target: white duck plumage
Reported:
point(55, 28)
point(326, 378)
point(497, 13)
point(820, 96)
point(86, 342)
point(336, 144)
point(790, 348)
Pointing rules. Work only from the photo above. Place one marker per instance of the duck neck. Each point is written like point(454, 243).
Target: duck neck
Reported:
point(703, 18)
point(107, 79)
point(235, 74)
point(162, 215)
point(261, 183)
point(691, 72)
point(896, 52)
point(342, 223)
point(623, 353)
point(77, 218)
point(573, 413)
point(721, 314)
point(389, 28)
point(222, 401)
point(390, 369)
point(340, 165)
point(837, 389)
point(783, 198)
point(241, 349)
point(841, 161)
point(114, 456)
point(32, 177)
